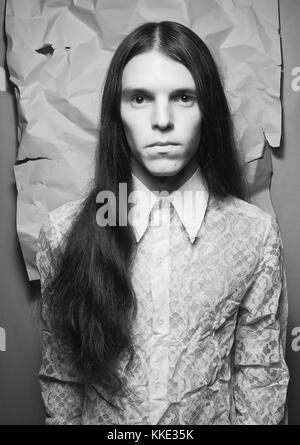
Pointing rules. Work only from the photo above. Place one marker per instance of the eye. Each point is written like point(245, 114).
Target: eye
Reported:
point(185, 98)
point(138, 100)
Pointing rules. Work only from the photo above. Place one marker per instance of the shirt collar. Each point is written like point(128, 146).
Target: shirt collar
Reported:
point(190, 202)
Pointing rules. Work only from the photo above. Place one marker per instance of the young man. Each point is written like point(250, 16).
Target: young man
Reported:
point(178, 316)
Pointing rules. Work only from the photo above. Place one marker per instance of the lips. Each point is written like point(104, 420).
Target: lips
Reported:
point(162, 144)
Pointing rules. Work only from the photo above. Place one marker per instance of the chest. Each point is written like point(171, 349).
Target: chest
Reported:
point(199, 285)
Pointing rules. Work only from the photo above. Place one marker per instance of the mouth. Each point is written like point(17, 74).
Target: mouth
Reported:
point(162, 144)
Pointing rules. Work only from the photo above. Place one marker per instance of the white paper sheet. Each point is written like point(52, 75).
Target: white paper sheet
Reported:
point(58, 53)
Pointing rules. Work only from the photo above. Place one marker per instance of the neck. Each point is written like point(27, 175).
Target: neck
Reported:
point(167, 183)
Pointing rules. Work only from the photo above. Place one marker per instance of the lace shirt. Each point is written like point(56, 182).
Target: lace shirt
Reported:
point(210, 328)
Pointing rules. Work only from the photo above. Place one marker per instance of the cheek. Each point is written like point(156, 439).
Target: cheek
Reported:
point(133, 128)
point(190, 128)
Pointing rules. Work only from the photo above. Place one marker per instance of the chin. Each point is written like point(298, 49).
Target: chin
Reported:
point(165, 170)
point(163, 173)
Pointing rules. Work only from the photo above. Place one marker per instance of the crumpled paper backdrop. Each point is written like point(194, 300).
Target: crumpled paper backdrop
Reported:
point(58, 53)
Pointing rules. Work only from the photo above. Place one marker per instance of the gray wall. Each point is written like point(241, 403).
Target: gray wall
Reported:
point(285, 190)
point(19, 390)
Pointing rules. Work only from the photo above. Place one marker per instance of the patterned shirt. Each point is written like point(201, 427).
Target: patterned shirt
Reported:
point(210, 329)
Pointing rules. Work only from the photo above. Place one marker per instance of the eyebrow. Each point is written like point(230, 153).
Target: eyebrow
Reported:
point(129, 92)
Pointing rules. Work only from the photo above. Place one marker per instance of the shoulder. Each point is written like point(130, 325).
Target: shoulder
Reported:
point(246, 209)
point(63, 216)
point(59, 221)
point(245, 217)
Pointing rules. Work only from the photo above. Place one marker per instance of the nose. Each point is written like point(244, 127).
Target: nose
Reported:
point(162, 118)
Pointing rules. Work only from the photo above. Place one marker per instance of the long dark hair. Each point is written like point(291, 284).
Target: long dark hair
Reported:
point(91, 303)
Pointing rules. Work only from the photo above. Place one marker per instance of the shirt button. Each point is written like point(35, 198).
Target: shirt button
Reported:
point(161, 322)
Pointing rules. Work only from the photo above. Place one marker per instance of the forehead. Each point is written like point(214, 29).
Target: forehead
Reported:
point(156, 70)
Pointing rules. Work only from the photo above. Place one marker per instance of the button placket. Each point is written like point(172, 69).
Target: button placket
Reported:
point(160, 282)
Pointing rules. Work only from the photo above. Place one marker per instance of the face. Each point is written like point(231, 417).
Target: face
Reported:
point(160, 114)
